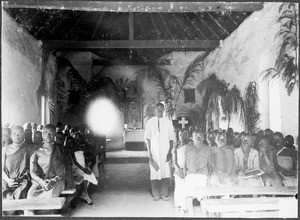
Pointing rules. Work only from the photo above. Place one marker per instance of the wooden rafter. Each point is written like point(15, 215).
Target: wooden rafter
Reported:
point(156, 30)
point(97, 25)
point(75, 25)
point(233, 21)
point(97, 62)
point(207, 26)
point(155, 27)
point(166, 26)
point(133, 44)
point(181, 26)
point(131, 26)
point(136, 6)
point(187, 29)
point(218, 23)
point(198, 29)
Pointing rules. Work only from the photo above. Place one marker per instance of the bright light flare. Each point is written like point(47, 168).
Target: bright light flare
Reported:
point(102, 116)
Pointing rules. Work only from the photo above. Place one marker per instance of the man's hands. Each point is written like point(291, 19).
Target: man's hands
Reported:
point(169, 157)
point(87, 171)
point(12, 183)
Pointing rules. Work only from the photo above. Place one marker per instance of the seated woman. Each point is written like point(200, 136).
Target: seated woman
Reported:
point(197, 160)
point(286, 158)
point(179, 161)
point(246, 158)
point(15, 169)
point(6, 140)
point(81, 172)
point(37, 138)
point(236, 139)
point(210, 139)
point(47, 167)
point(222, 162)
point(266, 164)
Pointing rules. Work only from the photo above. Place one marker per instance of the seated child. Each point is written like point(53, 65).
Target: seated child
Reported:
point(47, 167)
point(286, 158)
point(179, 161)
point(222, 162)
point(236, 139)
point(210, 139)
point(197, 161)
point(15, 171)
point(6, 140)
point(246, 158)
point(266, 164)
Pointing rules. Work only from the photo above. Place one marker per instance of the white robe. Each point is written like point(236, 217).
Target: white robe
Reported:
point(160, 145)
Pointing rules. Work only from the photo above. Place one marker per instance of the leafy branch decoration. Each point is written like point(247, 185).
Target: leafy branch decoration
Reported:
point(286, 64)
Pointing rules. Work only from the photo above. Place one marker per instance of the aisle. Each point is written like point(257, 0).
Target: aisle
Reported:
point(124, 192)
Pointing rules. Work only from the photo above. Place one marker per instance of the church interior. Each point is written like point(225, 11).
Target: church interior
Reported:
point(104, 65)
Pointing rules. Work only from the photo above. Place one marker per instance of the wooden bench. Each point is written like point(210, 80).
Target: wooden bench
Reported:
point(217, 207)
point(33, 204)
point(69, 194)
point(208, 192)
point(40, 203)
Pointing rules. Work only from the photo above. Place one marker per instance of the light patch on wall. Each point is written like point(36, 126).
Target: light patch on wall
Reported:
point(102, 116)
point(275, 106)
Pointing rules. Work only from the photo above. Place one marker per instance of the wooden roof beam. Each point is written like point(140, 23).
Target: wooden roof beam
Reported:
point(133, 44)
point(207, 26)
point(218, 23)
point(136, 6)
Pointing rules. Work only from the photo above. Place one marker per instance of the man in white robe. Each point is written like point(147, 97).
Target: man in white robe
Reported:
point(159, 137)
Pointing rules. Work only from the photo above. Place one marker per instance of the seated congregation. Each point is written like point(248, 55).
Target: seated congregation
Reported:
point(41, 162)
point(223, 158)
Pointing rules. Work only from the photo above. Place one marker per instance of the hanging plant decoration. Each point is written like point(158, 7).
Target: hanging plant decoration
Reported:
point(286, 65)
point(216, 91)
point(251, 114)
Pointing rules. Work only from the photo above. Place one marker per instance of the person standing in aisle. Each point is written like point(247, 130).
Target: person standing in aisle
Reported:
point(159, 137)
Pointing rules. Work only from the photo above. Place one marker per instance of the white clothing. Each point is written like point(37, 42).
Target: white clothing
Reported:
point(181, 156)
point(159, 144)
point(253, 159)
point(193, 181)
point(179, 192)
point(89, 177)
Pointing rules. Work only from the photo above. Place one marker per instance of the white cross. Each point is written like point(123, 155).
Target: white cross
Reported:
point(183, 122)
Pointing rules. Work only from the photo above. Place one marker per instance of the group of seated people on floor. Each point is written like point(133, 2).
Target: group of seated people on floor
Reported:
point(221, 158)
point(42, 161)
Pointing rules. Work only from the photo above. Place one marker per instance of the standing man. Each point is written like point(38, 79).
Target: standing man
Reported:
point(159, 137)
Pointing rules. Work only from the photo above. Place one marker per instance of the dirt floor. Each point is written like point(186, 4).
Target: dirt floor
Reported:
point(124, 191)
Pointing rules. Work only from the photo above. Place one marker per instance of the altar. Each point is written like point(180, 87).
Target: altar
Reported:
point(134, 140)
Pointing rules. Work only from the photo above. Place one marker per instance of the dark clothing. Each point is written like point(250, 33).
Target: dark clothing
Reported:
point(16, 166)
point(160, 188)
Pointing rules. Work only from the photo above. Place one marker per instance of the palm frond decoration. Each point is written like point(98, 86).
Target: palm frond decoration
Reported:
point(164, 82)
point(189, 75)
point(252, 116)
point(286, 65)
point(212, 110)
point(209, 89)
point(193, 111)
point(215, 91)
point(150, 102)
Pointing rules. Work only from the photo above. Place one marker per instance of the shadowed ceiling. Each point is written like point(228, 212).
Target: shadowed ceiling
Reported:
point(57, 25)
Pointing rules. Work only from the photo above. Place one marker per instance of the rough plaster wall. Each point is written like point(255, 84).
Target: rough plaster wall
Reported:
point(21, 73)
point(242, 56)
point(179, 63)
